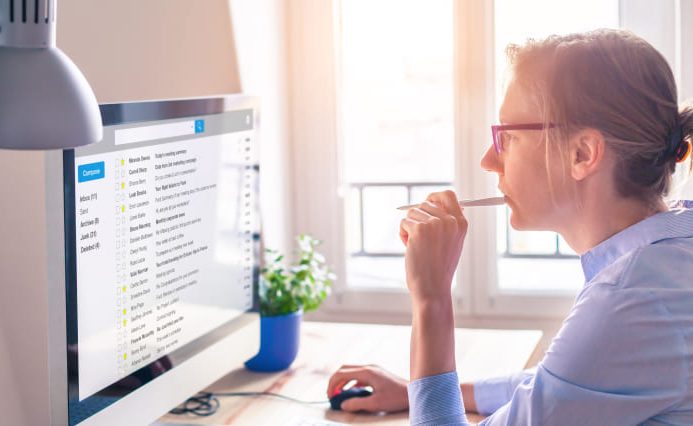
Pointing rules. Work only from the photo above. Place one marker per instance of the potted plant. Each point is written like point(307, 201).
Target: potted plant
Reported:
point(285, 294)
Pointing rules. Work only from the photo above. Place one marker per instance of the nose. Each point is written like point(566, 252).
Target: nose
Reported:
point(491, 161)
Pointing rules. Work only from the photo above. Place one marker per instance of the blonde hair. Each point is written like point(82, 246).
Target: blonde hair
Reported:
point(617, 83)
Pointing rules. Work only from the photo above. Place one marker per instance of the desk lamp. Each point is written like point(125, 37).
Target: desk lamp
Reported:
point(45, 101)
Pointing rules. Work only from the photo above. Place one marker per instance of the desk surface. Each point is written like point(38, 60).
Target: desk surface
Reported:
point(327, 346)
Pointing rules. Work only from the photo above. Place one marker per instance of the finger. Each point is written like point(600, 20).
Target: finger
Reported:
point(403, 236)
point(341, 378)
point(432, 209)
point(418, 214)
point(359, 384)
point(335, 386)
point(409, 225)
point(406, 227)
point(448, 200)
point(368, 403)
point(336, 383)
point(344, 376)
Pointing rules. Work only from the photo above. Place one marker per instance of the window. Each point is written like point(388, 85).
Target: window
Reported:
point(396, 85)
point(391, 100)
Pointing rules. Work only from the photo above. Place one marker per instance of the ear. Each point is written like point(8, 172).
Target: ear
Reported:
point(586, 153)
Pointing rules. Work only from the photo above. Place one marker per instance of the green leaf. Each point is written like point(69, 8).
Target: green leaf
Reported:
point(305, 284)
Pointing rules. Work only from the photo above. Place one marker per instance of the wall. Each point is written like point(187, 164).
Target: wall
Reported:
point(156, 49)
point(260, 31)
point(24, 358)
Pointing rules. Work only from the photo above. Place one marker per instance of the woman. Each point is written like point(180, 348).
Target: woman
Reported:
point(590, 137)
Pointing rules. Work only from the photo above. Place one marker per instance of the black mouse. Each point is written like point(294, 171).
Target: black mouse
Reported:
point(354, 392)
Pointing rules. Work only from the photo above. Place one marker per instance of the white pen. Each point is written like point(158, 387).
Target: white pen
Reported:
point(493, 201)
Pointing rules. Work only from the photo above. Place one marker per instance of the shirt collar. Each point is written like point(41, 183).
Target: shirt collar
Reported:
point(675, 223)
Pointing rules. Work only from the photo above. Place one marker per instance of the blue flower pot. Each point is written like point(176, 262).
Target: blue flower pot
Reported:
point(279, 339)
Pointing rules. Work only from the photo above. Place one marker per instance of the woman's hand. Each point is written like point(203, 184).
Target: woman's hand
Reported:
point(433, 234)
point(389, 391)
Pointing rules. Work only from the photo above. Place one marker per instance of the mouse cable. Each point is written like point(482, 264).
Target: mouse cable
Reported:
point(207, 403)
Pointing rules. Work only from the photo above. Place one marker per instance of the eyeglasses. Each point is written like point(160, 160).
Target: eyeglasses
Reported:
point(498, 129)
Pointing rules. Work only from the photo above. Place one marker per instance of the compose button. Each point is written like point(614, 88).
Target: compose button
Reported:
point(92, 171)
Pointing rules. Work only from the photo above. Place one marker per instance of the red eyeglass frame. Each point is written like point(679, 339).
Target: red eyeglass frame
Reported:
point(497, 128)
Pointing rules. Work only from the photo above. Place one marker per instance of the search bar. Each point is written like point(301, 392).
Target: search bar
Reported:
point(159, 131)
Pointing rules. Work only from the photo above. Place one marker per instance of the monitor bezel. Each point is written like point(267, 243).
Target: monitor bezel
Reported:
point(130, 113)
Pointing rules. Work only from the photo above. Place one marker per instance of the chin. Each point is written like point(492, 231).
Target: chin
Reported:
point(520, 223)
point(517, 223)
point(515, 219)
point(524, 220)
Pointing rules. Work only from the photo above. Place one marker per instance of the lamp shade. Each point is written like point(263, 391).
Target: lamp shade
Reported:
point(45, 101)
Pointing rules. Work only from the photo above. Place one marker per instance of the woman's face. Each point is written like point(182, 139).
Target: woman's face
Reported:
point(522, 166)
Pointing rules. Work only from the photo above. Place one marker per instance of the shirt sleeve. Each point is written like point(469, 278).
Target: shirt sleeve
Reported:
point(436, 400)
point(618, 359)
point(493, 393)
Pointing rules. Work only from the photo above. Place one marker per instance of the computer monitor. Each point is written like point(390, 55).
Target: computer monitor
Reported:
point(161, 255)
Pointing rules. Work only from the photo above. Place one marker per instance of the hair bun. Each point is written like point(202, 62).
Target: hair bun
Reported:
point(683, 151)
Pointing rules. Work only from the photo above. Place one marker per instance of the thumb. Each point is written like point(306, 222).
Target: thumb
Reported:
point(358, 404)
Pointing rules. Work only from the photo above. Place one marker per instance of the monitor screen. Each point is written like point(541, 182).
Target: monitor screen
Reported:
point(161, 230)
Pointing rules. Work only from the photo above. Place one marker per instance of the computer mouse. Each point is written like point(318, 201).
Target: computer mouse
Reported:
point(354, 392)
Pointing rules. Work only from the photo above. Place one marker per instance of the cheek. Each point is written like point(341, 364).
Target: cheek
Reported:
point(526, 185)
point(525, 176)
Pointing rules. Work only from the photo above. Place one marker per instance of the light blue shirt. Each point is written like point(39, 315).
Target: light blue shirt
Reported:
point(624, 355)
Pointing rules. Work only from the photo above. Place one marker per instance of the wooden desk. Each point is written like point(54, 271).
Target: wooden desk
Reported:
point(327, 346)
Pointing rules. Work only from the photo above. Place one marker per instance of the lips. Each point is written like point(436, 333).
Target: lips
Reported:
point(508, 200)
